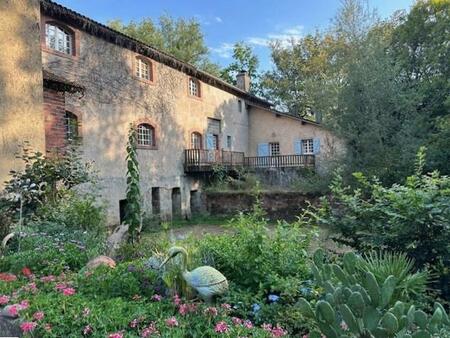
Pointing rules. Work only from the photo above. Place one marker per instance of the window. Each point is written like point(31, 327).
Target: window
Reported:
point(240, 106)
point(70, 126)
point(144, 69)
point(274, 149)
point(194, 87)
point(308, 146)
point(146, 135)
point(229, 142)
point(196, 140)
point(58, 38)
point(212, 142)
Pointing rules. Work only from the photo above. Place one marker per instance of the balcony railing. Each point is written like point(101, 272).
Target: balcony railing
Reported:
point(201, 160)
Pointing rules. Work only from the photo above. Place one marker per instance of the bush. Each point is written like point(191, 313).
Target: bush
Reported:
point(413, 218)
point(75, 212)
point(49, 248)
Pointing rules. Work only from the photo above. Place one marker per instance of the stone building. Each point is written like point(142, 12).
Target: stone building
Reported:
point(63, 75)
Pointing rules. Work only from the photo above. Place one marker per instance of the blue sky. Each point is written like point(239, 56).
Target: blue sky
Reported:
point(227, 21)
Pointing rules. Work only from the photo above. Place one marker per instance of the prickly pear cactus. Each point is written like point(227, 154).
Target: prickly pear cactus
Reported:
point(361, 307)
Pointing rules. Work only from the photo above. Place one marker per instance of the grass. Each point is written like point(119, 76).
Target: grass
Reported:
point(204, 219)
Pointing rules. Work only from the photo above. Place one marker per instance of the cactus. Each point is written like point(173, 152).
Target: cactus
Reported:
point(368, 308)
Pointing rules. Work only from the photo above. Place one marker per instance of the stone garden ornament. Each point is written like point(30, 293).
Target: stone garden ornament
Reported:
point(206, 280)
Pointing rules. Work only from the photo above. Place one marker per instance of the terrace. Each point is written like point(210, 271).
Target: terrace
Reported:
point(201, 160)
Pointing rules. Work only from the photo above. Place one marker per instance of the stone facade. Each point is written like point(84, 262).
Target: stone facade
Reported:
point(21, 115)
point(114, 99)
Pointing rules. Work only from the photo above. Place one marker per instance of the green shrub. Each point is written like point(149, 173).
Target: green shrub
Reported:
point(75, 212)
point(413, 218)
point(51, 249)
point(355, 304)
point(253, 257)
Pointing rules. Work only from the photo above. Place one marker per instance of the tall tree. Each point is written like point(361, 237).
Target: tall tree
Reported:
point(244, 59)
point(182, 38)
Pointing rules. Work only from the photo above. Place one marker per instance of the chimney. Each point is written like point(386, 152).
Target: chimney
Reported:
point(243, 81)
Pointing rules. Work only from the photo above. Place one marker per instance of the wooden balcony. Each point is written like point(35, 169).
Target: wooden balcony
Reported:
point(201, 160)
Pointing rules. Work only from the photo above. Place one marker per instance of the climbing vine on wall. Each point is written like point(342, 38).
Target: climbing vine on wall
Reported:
point(133, 216)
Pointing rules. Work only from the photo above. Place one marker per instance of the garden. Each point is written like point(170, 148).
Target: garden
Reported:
point(391, 280)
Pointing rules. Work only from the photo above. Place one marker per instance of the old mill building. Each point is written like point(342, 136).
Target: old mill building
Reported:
point(63, 75)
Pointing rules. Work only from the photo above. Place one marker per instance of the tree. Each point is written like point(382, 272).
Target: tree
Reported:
point(244, 59)
point(180, 37)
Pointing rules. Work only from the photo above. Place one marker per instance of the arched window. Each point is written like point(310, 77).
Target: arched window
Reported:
point(196, 140)
point(194, 87)
point(144, 69)
point(71, 126)
point(146, 135)
point(59, 38)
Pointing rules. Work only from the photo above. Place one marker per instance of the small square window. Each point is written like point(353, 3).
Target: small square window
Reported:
point(146, 135)
point(274, 149)
point(308, 146)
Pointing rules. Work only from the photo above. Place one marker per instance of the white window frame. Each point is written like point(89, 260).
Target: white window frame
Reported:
point(194, 87)
point(145, 135)
point(71, 126)
point(58, 38)
point(274, 148)
point(196, 140)
point(308, 146)
point(143, 69)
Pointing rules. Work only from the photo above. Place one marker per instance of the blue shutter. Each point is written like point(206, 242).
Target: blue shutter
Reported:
point(298, 149)
point(316, 146)
point(210, 141)
point(263, 149)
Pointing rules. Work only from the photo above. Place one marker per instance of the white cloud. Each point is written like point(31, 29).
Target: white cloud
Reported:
point(285, 36)
point(225, 50)
point(218, 19)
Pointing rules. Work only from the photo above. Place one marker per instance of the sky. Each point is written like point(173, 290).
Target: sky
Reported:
point(225, 22)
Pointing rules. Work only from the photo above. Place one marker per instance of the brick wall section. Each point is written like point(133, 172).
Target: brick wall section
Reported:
point(54, 114)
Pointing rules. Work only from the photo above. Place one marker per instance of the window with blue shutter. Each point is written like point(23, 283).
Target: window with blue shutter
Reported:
point(263, 149)
point(211, 142)
point(316, 146)
point(298, 147)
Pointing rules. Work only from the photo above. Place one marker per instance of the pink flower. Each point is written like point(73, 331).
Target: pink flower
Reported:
point(248, 324)
point(31, 287)
point(176, 300)
point(28, 326)
point(134, 323)
point(116, 335)
point(156, 298)
point(184, 309)
point(236, 320)
point(225, 306)
point(26, 272)
point(13, 311)
point(87, 330)
point(278, 331)
point(4, 299)
point(86, 312)
point(171, 322)
point(48, 279)
point(61, 286)
point(211, 311)
point(48, 327)
point(69, 292)
point(7, 277)
point(267, 327)
point(38, 315)
point(149, 330)
point(221, 327)
point(344, 326)
point(24, 305)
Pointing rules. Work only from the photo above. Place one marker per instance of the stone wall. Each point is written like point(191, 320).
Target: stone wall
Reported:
point(278, 205)
point(21, 116)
